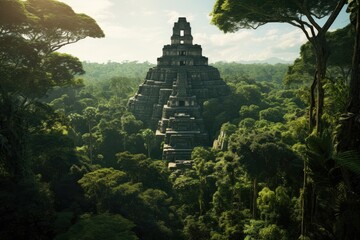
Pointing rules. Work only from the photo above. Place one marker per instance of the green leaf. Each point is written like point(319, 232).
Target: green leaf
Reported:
point(349, 160)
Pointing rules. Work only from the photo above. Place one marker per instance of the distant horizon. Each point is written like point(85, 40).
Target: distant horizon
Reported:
point(271, 61)
point(137, 31)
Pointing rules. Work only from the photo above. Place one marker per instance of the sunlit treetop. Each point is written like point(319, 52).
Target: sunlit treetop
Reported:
point(12, 12)
point(31, 32)
point(47, 21)
point(232, 15)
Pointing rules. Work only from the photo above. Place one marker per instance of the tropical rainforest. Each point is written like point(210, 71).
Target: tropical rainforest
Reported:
point(75, 164)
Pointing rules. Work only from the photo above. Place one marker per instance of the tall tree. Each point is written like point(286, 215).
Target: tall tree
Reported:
point(232, 15)
point(348, 137)
point(90, 114)
point(350, 127)
point(30, 33)
point(149, 137)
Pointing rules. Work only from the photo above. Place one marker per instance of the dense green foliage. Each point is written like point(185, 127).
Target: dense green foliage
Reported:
point(74, 164)
point(135, 70)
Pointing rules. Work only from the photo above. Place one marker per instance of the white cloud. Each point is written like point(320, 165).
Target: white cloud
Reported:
point(272, 32)
point(269, 36)
point(251, 45)
point(98, 9)
point(173, 16)
point(200, 38)
point(291, 39)
point(230, 38)
point(262, 55)
point(142, 13)
point(144, 34)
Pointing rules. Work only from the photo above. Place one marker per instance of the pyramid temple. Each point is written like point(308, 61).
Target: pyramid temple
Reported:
point(171, 97)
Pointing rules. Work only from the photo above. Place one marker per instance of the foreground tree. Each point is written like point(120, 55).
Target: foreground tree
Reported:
point(231, 15)
point(30, 32)
point(348, 142)
point(350, 126)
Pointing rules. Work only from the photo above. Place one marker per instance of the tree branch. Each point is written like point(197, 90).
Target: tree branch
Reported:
point(333, 15)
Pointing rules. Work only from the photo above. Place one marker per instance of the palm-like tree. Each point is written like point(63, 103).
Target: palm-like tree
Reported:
point(332, 200)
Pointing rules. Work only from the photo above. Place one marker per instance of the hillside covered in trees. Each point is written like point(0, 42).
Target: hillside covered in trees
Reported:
point(75, 164)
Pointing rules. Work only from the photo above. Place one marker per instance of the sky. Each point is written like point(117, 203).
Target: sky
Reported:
point(137, 30)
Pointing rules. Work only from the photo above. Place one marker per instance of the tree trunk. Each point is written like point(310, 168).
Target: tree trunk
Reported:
point(315, 122)
point(322, 55)
point(90, 144)
point(354, 104)
point(254, 199)
point(148, 149)
point(14, 129)
point(202, 186)
point(319, 104)
point(303, 202)
point(312, 122)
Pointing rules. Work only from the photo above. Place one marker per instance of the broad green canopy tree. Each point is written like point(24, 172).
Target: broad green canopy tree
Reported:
point(49, 23)
point(103, 226)
point(12, 14)
point(232, 15)
point(30, 33)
